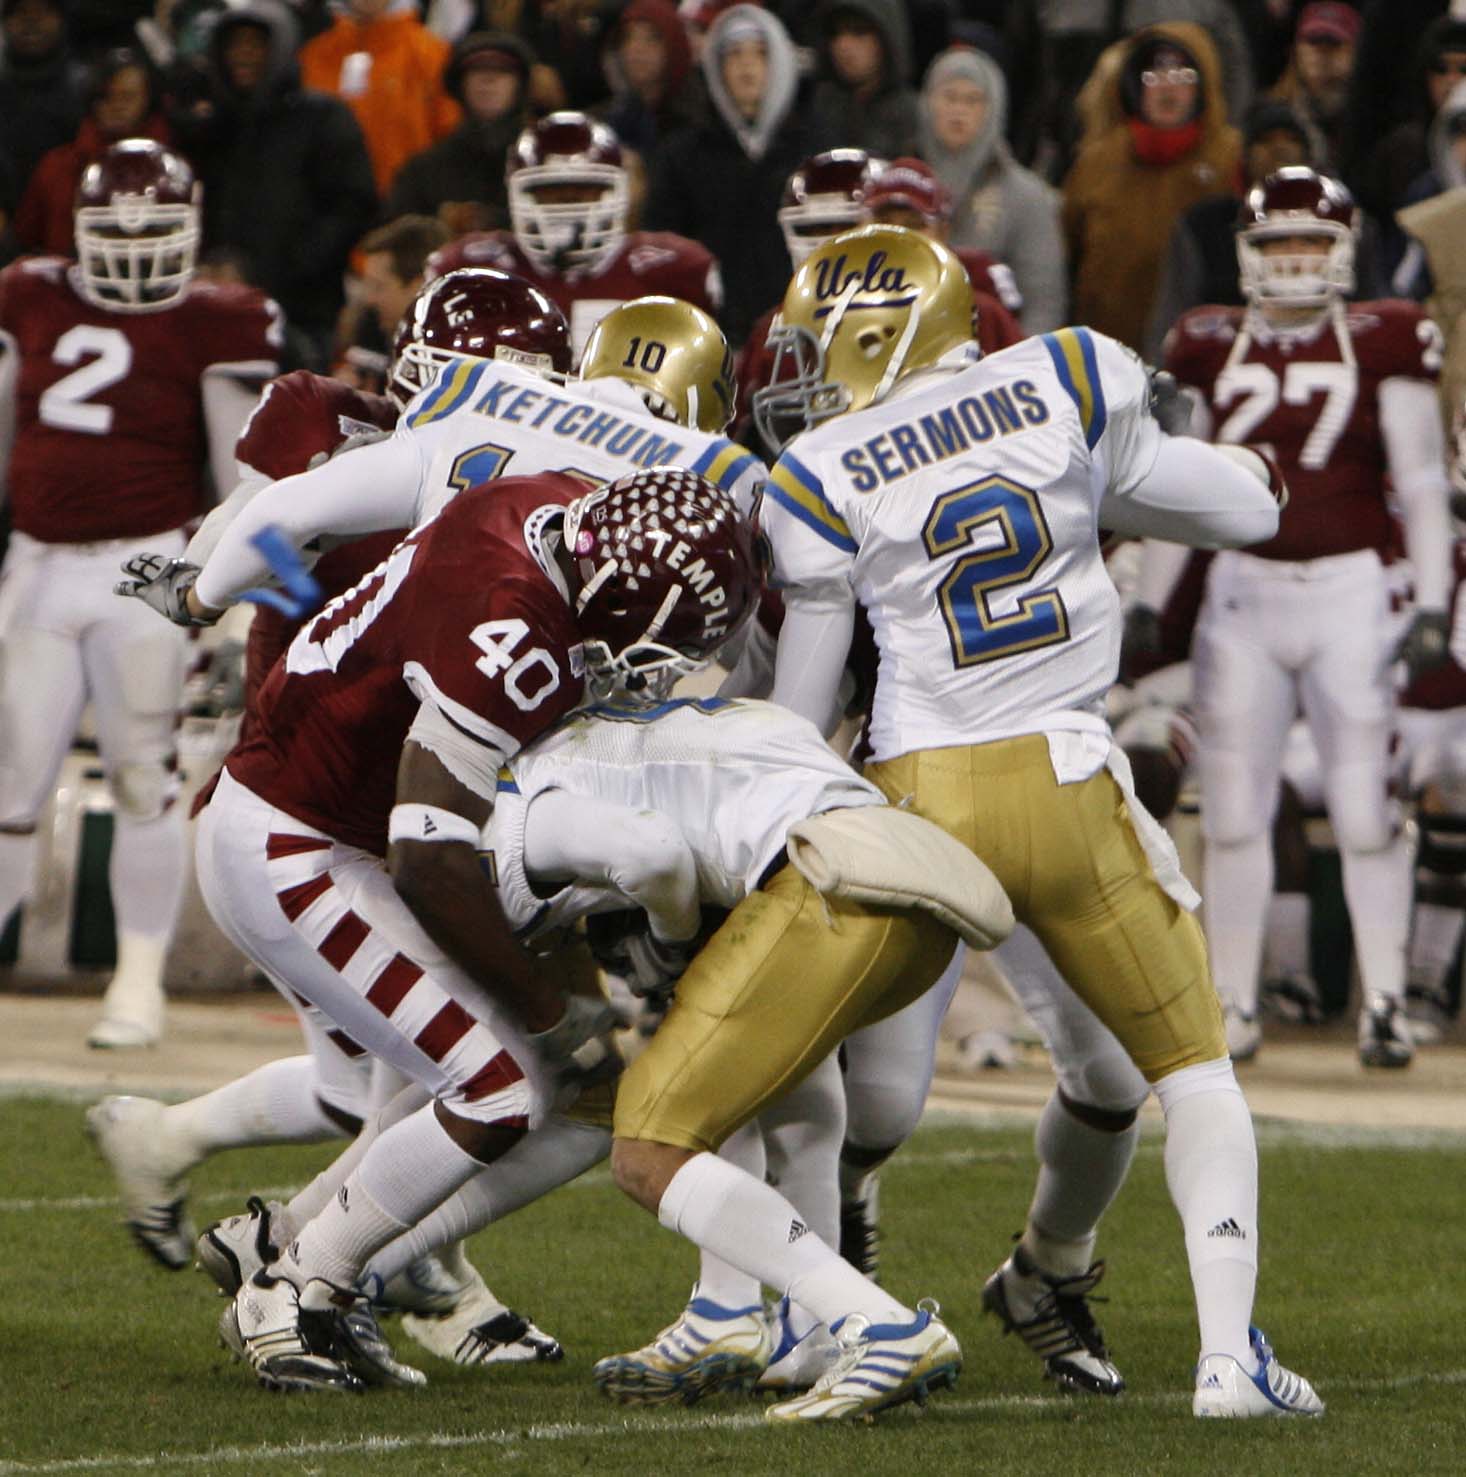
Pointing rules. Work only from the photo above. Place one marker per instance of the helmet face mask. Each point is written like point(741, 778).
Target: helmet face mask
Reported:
point(1297, 203)
point(138, 228)
point(569, 197)
point(673, 353)
point(668, 570)
point(476, 313)
point(867, 308)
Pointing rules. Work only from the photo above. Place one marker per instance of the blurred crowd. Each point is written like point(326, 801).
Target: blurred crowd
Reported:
point(313, 124)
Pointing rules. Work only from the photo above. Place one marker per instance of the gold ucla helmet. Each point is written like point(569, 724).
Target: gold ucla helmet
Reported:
point(675, 355)
point(867, 307)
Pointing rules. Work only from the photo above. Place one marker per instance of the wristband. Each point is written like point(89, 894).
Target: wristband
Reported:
point(430, 823)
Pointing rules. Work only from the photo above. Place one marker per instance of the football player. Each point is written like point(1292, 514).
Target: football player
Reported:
point(833, 191)
point(340, 850)
point(569, 207)
point(302, 419)
point(1345, 394)
point(655, 386)
point(958, 498)
point(126, 382)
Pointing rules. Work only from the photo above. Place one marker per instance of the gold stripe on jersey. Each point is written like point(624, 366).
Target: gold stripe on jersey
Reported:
point(1071, 862)
point(786, 979)
point(1083, 377)
point(809, 504)
point(450, 393)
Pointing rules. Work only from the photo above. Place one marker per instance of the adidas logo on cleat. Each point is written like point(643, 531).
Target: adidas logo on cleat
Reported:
point(1228, 1227)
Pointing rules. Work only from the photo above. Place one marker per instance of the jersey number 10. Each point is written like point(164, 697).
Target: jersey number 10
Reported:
point(975, 632)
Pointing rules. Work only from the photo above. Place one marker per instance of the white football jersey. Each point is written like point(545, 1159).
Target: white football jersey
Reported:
point(482, 419)
point(732, 776)
point(964, 511)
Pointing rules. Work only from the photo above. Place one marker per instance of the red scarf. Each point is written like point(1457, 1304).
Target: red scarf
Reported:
point(1162, 146)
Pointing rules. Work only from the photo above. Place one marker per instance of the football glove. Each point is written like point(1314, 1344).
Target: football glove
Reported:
point(1169, 403)
point(1140, 640)
point(163, 583)
point(1426, 643)
point(578, 1048)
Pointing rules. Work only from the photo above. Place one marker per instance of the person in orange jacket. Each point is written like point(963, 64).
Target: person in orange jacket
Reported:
point(387, 67)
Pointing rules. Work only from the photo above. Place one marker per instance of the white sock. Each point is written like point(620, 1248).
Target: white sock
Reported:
point(1211, 1171)
point(1378, 887)
point(1236, 885)
point(146, 873)
point(1286, 948)
point(408, 1170)
point(17, 872)
point(719, 1281)
point(274, 1104)
point(751, 1225)
point(1080, 1172)
point(541, 1161)
point(1434, 938)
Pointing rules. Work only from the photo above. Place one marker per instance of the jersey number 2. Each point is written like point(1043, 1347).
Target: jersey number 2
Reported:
point(65, 405)
point(1013, 512)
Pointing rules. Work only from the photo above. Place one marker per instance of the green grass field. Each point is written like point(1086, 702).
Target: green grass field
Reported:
point(109, 1364)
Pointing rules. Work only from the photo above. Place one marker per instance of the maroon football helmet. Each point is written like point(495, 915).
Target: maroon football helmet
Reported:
point(137, 227)
point(908, 184)
point(1297, 202)
point(823, 197)
point(669, 570)
point(476, 313)
point(562, 157)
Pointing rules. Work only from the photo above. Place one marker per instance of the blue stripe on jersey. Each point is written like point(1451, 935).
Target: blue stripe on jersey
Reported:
point(454, 387)
point(724, 462)
point(1072, 350)
point(796, 489)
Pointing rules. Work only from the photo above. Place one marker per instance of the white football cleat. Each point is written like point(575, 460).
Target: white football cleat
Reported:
point(1384, 1034)
point(287, 1349)
point(129, 1136)
point(132, 1015)
point(708, 1349)
point(1052, 1316)
point(880, 1365)
point(1244, 1035)
point(796, 1364)
point(474, 1327)
point(231, 1251)
point(1224, 1389)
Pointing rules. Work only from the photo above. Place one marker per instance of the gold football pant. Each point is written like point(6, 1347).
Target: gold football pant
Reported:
point(1078, 877)
point(786, 979)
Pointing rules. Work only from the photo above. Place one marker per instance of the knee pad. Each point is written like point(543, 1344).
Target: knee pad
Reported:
point(144, 791)
point(1235, 808)
point(1360, 811)
point(881, 1115)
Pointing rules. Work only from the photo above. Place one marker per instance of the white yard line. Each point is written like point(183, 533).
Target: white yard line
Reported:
point(673, 1425)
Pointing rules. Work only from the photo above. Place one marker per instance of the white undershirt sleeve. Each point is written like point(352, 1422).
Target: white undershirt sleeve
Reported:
point(1194, 495)
point(228, 401)
point(1415, 452)
point(640, 854)
point(371, 490)
point(814, 643)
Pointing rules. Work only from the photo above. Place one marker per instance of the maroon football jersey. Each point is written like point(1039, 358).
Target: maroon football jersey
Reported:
point(110, 440)
point(1319, 414)
point(987, 274)
point(1445, 687)
point(647, 262)
point(303, 417)
point(462, 615)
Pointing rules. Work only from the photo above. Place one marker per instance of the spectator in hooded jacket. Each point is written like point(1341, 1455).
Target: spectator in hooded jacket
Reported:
point(387, 66)
point(1001, 207)
point(1320, 69)
point(42, 85)
point(123, 105)
point(864, 97)
point(1157, 142)
point(656, 93)
point(460, 179)
point(287, 181)
point(721, 182)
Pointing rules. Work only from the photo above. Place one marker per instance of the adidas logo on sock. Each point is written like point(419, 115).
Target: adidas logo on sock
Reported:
point(1228, 1227)
point(797, 1229)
